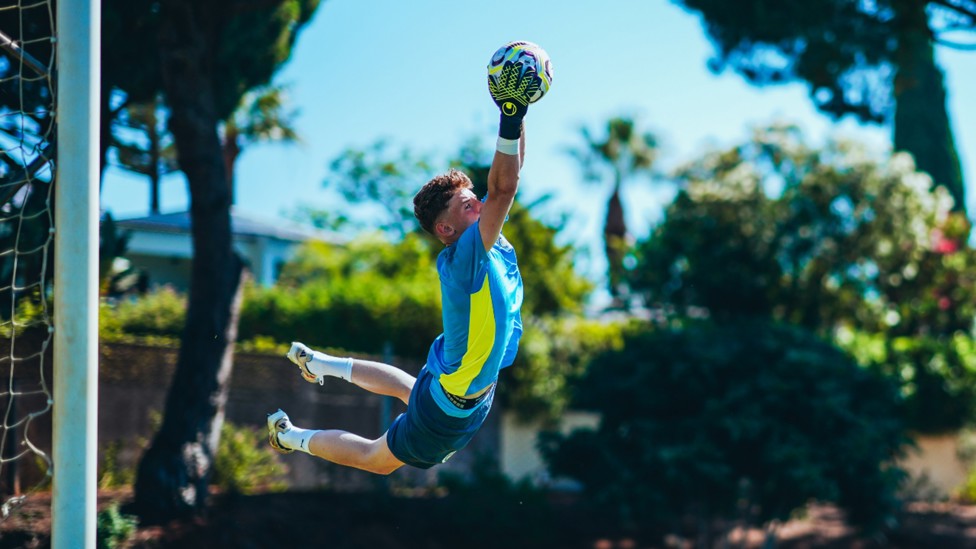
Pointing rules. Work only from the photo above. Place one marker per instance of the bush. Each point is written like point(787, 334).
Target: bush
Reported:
point(748, 420)
point(113, 528)
point(552, 353)
point(112, 474)
point(161, 312)
point(245, 463)
point(967, 455)
point(934, 373)
point(357, 298)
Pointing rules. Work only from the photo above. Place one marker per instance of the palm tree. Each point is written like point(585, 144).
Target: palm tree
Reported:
point(621, 155)
point(261, 116)
point(144, 145)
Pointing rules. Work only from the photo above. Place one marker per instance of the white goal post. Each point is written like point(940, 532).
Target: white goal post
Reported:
point(75, 380)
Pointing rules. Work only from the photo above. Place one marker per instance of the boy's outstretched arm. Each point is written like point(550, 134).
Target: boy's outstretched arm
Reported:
point(513, 102)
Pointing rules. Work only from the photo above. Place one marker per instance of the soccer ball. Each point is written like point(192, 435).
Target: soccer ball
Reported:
point(528, 54)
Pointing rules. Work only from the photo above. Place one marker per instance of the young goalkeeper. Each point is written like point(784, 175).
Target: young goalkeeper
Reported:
point(481, 291)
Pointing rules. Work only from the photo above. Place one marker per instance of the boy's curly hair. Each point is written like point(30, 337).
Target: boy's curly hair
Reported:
point(433, 197)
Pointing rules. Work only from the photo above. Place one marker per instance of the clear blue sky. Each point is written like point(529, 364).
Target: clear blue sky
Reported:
point(414, 72)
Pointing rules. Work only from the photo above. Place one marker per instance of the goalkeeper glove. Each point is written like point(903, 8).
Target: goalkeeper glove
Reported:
point(511, 91)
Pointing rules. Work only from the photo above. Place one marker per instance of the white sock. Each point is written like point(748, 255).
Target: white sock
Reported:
point(296, 438)
point(323, 364)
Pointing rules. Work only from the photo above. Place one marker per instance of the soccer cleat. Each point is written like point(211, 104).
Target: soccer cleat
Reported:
point(278, 423)
point(301, 355)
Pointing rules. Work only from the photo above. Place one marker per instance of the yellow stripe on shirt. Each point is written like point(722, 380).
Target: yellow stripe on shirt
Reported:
point(481, 340)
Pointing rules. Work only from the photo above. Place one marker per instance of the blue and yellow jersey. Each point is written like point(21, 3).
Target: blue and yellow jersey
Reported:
point(481, 295)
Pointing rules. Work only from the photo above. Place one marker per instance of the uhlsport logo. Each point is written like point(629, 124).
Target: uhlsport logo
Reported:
point(509, 108)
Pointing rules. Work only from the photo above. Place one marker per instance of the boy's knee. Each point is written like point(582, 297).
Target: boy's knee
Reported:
point(385, 467)
point(382, 461)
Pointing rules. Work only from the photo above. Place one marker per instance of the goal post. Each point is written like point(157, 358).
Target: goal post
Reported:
point(75, 410)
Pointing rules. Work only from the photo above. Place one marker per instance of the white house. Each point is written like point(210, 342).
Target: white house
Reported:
point(161, 245)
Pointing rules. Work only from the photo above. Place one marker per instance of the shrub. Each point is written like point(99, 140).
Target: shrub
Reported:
point(113, 528)
point(245, 463)
point(716, 422)
point(552, 353)
point(113, 474)
point(936, 374)
point(161, 312)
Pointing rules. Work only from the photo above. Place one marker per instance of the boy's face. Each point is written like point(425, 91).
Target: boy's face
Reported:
point(463, 210)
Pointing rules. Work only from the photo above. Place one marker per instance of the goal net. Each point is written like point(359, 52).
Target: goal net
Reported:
point(27, 135)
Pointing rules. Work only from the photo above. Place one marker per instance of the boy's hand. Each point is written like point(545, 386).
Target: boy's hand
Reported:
point(511, 91)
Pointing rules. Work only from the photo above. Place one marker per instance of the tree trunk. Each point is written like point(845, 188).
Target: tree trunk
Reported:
point(174, 472)
point(921, 124)
point(155, 169)
point(104, 131)
point(231, 150)
point(615, 242)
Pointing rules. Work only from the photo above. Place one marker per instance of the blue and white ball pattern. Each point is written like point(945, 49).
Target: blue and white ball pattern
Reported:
point(528, 54)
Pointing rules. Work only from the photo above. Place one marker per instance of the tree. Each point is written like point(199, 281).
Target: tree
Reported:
point(874, 60)
point(709, 427)
point(134, 121)
point(625, 153)
point(143, 144)
point(261, 117)
point(209, 54)
point(832, 240)
point(819, 238)
point(377, 184)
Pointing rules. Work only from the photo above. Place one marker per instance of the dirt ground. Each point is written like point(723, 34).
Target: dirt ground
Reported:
point(353, 521)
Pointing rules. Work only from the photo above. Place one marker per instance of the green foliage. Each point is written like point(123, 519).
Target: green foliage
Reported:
point(551, 284)
point(552, 354)
point(113, 528)
point(874, 60)
point(936, 375)
point(272, 25)
point(377, 184)
point(245, 463)
point(827, 239)
point(966, 453)
point(358, 297)
point(711, 421)
point(113, 474)
point(161, 312)
point(251, 43)
point(33, 312)
point(814, 237)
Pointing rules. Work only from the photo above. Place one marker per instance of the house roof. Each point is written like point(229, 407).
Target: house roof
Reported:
point(241, 225)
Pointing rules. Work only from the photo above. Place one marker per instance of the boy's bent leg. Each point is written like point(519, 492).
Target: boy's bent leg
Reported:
point(375, 377)
point(382, 379)
point(355, 451)
point(336, 446)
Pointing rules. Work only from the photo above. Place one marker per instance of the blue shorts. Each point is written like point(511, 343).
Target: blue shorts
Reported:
point(424, 435)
